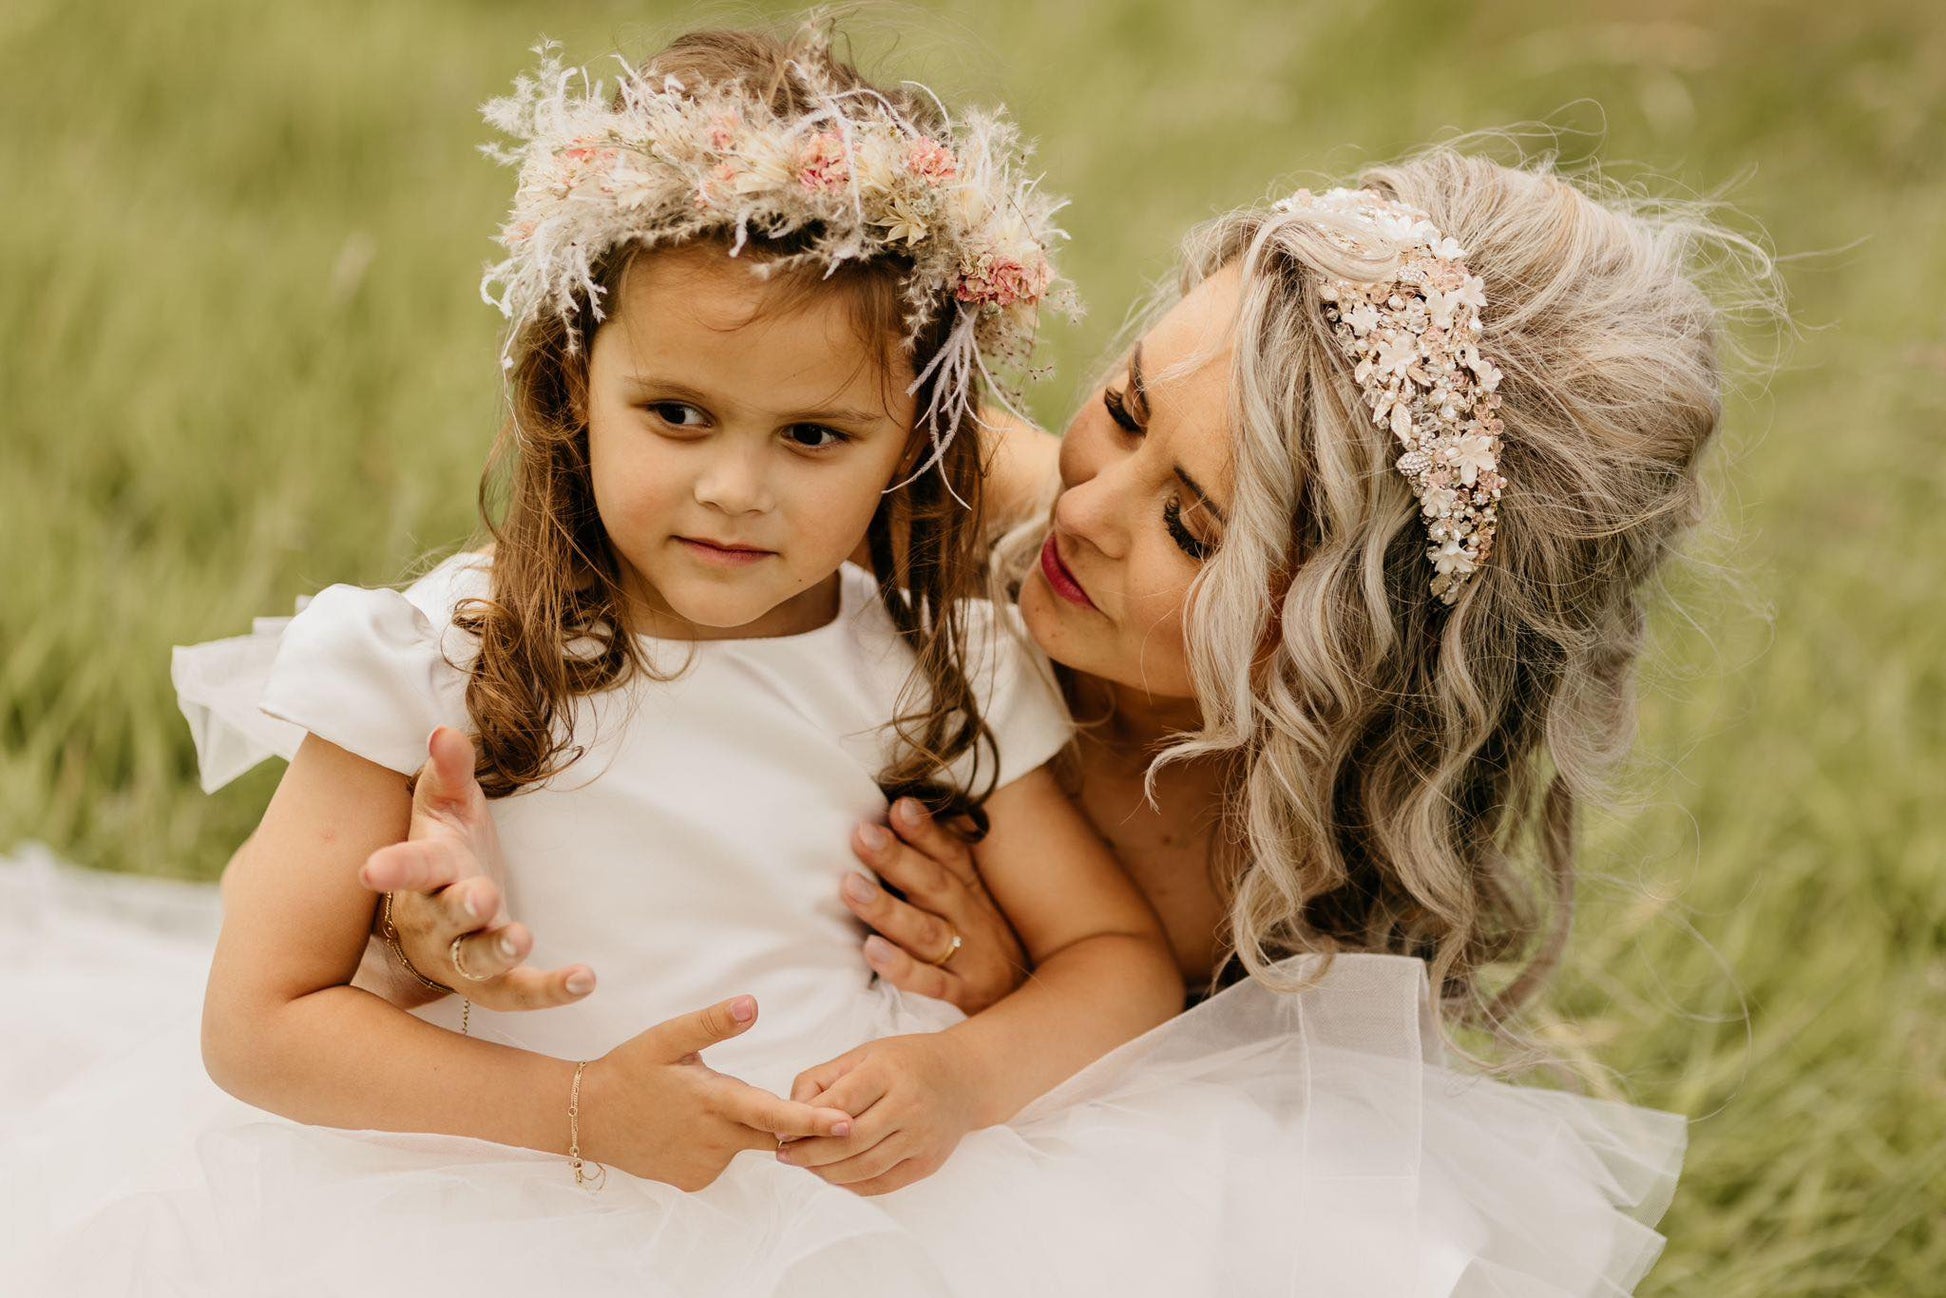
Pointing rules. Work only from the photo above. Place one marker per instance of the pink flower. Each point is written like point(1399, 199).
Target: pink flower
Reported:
point(1002, 281)
point(822, 164)
point(931, 161)
point(723, 131)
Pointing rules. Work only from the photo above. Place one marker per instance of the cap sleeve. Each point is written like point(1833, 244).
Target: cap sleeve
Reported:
point(365, 669)
point(1019, 697)
point(372, 671)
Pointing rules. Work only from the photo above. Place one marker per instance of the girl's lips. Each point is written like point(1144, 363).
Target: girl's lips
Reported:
point(729, 556)
point(1059, 579)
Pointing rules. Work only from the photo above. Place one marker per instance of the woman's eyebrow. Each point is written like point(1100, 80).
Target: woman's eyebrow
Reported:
point(1202, 497)
point(1137, 390)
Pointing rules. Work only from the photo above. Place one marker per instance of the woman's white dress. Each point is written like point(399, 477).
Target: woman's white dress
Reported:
point(1258, 1144)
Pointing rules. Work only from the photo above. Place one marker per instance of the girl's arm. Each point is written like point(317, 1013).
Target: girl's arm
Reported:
point(1103, 974)
point(284, 1030)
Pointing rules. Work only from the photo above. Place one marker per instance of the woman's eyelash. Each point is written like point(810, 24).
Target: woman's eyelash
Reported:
point(1183, 537)
point(1117, 404)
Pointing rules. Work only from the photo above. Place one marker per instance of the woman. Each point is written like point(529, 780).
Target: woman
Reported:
point(1324, 707)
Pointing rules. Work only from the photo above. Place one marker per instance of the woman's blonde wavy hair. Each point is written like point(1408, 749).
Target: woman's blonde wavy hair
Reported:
point(1407, 774)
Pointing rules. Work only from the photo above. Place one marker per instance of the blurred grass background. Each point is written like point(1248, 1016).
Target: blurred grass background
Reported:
point(242, 357)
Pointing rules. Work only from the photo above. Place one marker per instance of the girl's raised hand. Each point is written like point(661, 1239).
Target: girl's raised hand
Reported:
point(652, 1107)
point(444, 881)
point(944, 897)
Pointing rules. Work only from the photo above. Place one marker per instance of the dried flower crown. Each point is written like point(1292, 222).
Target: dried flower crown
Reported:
point(1413, 341)
point(851, 179)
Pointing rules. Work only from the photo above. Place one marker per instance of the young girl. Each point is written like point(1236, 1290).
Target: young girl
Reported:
point(754, 300)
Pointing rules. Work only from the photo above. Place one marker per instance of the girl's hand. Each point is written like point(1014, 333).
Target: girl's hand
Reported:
point(652, 1107)
point(913, 1102)
point(443, 881)
point(944, 897)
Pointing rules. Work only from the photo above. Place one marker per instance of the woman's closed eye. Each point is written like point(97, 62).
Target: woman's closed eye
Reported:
point(1117, 402)
point(1186, 541)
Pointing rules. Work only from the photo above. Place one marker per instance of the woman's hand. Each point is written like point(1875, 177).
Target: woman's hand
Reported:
point(444, 885)
point(914, 1101)
point(944, 897)
point(652, 1108)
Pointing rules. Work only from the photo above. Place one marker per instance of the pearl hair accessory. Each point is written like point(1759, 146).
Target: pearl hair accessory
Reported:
point(1413, 342)
point(658, 162)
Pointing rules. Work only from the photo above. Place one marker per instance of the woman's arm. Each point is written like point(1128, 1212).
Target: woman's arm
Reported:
point(284, 1030)
point(1103, 975)
point(1103, 970)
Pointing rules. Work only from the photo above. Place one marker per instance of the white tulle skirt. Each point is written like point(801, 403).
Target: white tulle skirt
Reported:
point(1269, 1144)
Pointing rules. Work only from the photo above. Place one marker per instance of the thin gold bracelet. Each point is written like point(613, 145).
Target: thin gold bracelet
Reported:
point(391, 936)
point(575, 1161)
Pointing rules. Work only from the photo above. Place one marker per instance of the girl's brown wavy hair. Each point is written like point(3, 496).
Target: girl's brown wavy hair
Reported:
point(555, 624)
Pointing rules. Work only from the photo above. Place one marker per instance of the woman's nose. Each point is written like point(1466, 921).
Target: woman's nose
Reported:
point(1093, 505)
point(733, 480)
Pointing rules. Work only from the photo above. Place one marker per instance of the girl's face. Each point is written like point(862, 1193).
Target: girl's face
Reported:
point(738, 443)
point(1146, 473)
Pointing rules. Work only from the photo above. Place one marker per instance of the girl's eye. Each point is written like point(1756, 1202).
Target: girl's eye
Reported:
point(1186, 540)
point(815, 437)
point(678, 414)
point(1117, 403)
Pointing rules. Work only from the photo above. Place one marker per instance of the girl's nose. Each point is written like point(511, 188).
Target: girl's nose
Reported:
point(734, 481)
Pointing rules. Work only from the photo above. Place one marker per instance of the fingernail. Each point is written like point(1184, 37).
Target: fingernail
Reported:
point(859, 888)
point(505, 946)
point(471, 905)
point(783, 1154)
point(873, 837)
point(430, 736)
point(743, 1009)
point(909, 811)
point(841, 1129)
point(877, 949)
point(580, 984)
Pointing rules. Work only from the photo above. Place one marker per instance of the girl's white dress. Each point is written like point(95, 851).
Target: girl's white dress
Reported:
point(1258, 1144)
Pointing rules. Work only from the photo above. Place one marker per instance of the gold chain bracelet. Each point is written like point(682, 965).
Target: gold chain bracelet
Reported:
point(575, 1161)
point(391, 936)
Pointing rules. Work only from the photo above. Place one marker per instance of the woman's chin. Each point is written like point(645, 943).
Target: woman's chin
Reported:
point(1054, 624)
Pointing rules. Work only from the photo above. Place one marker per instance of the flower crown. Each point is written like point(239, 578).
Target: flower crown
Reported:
point(1414, 344)
point(851, 179)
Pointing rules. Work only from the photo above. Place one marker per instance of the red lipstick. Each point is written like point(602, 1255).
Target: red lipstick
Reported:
point(1059, 579)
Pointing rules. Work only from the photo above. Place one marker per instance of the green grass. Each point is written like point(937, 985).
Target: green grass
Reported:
point(241, 357)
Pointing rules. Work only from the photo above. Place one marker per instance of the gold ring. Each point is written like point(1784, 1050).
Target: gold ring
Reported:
point(452, 953)
point(952, 949)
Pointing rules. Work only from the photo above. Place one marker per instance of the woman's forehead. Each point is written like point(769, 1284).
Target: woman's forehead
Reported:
point(1185, 362)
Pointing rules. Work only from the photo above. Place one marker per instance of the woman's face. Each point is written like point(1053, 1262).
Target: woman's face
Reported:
point(1146, 474)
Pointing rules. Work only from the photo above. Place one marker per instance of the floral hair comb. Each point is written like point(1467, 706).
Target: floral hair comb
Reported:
point(659, 162)
point(1413, 342)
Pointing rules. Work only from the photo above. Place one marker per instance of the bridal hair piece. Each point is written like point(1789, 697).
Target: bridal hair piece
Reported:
point(1414, 344)
point(659, 161)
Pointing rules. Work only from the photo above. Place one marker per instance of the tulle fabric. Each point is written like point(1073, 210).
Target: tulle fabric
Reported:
point(1261, 1143)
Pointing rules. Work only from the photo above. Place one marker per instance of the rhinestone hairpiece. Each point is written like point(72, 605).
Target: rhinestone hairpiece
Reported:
point(657, 162)
point(1413, 342)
